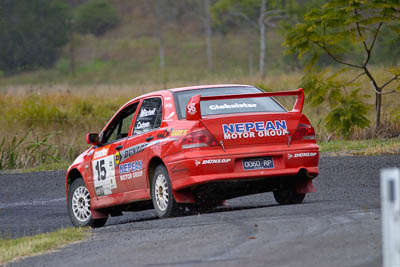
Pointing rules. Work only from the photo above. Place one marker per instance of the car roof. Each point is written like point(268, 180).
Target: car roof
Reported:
point(181, 89)
point(187, 88)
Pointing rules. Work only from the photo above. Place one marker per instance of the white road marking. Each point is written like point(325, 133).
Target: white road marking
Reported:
point(30, 203)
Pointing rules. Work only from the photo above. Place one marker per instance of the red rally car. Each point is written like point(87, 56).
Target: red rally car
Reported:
point(192, 148)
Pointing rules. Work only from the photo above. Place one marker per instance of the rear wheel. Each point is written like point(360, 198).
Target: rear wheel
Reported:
point(288, 195)
point(79, 206)
point(163, 199)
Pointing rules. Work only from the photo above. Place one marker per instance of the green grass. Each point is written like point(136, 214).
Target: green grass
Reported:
point(48, 131)
point(14, 249)
point(54, 166)
point(361, 147)
point(36, 155)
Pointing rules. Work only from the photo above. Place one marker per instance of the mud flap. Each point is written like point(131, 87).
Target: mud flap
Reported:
point(183, 196)
point(305, 186)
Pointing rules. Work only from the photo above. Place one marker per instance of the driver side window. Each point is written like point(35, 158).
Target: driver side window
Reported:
point(119, 127)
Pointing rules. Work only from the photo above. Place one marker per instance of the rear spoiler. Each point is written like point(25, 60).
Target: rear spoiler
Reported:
point(193, 111)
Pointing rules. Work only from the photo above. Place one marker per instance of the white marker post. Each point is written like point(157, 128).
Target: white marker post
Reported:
point(390, 202)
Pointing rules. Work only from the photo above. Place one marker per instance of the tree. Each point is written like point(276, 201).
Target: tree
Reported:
point(257, 13)
point(208, 30)
point(32, 33)
point(96, 17)
point(347, 32)
point(166, 12)
point(346, 109)
point(198, 9)
point(159, 8)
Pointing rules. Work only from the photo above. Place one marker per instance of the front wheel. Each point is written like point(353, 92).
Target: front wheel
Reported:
point(163, 199)
point(79, 206)
point(288, 195)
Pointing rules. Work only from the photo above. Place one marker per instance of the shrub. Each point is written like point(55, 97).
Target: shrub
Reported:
point(96, 17)
point(345, 105)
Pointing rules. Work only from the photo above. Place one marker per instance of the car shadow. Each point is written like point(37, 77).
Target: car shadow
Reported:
point(229, 208)
point(150, 215)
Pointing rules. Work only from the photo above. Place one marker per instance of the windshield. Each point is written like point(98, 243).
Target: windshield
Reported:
point(227, 106)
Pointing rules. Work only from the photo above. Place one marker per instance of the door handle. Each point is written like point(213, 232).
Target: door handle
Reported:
point(149, 138)
point(118, 147)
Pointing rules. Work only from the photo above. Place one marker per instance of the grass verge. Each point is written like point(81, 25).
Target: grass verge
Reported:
point(56, 166)
point(14, 249)
point(361, 147)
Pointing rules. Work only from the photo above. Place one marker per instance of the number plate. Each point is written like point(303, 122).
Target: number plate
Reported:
point(258, 163)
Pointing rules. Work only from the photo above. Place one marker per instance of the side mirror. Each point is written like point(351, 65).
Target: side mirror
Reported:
point(92, 139)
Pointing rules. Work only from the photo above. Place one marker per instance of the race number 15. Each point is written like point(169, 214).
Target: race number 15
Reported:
point(101, 170)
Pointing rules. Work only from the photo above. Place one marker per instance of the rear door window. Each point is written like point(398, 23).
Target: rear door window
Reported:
point(228, 106)
point(149, 116)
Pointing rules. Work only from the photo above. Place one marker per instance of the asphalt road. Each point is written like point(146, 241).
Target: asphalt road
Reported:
point(339, 225)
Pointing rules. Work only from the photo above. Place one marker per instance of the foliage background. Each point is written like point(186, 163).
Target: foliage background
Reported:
point(51, 104)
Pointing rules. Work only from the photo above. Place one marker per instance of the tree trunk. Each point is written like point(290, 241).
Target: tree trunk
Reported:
point(207, 25)
point(160, 37)
point(378, 104)
point(262, 38)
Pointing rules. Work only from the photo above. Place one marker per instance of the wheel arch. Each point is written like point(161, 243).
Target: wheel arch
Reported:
point(72, 175)
point(182, 196)
point(153, 163)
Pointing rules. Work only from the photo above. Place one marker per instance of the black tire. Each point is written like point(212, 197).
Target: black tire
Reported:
point(79, 208)
point(161, 194)
point(288, 195)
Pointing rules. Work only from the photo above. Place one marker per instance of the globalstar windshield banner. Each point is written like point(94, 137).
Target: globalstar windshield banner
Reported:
point(253, 129)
